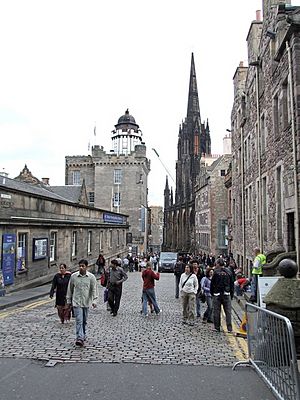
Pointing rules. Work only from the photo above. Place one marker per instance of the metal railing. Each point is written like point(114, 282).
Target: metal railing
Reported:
point(272, 353)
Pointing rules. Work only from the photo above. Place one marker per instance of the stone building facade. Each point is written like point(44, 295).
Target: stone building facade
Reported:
point(117, 180)
point(40, 229)
point(156, 234)
point(265, 125)
point(193, 141)
point(211, 206)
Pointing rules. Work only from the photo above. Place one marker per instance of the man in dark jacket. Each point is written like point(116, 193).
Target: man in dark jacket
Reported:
point(115, 282)
point(178, 271)
point(222, 289)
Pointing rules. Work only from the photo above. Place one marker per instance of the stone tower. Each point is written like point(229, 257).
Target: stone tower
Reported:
point(117, 180)
point(193, 141)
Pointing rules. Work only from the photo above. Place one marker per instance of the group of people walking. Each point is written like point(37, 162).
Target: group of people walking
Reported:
point(214, 285)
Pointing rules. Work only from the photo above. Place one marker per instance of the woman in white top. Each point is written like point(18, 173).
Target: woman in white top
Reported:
point(188, 286)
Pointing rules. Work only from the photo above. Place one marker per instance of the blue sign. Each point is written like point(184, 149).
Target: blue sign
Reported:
point(8, 258)
point(113, 218)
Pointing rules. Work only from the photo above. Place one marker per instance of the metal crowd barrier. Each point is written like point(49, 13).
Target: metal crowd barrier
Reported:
point(272, 352)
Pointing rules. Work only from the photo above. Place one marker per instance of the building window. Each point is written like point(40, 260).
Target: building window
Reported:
point(110, 239)
point(196, 145)
point(263, 134)
point(285, 105)
point(265, 208)
point(89, 242)
point(76, 177)
point(117, 200)
point(276, 116)
point(222, 172)
point(279, 202)
point(74, 244)
point(222, 233)
point(91, 197)
point(22, 252)
point(101, 241)
point(117, 176)
point(53, 245)
point(118, 238)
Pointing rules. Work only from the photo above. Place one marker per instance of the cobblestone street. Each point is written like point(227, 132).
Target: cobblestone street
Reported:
point(36, 333)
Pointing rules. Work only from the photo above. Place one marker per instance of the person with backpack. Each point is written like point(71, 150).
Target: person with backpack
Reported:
point(178, 271)
point(222, 290)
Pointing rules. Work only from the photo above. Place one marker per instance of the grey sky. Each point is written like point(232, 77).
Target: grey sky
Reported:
point(69, 65)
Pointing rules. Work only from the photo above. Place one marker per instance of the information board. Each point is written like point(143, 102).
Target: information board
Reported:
point(265, 283)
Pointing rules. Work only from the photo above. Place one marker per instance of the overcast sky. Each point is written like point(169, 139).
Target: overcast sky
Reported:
point(69, 65)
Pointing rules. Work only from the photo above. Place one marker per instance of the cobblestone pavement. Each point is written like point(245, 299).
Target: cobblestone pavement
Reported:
point(36, 333)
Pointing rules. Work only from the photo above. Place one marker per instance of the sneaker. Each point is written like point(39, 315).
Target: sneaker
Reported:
point(160, 311)
point(184, 322)
point(229, 330)
point(115, 314)
point(191, 323)
point(204, 321)
point(209, 321)
point(79, 342)
point(216, 330)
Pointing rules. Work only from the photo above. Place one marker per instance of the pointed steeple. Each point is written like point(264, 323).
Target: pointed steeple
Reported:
point(193, 109)
point(167, 194)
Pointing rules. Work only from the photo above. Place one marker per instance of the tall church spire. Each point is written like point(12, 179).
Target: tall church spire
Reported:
point(193, 109)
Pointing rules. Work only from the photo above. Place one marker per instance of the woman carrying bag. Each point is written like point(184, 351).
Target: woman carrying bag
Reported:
point(188, 286)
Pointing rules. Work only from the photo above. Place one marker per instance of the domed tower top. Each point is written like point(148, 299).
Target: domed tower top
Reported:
point(126, 135)
point(125, 120)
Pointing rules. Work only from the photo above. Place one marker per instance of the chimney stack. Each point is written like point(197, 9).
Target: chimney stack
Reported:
point(45, 181)
point(258, 15)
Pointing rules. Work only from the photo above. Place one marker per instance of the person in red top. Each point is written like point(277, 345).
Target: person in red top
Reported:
point(149, 276)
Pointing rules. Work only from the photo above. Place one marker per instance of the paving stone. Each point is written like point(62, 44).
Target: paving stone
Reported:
point(127, 338)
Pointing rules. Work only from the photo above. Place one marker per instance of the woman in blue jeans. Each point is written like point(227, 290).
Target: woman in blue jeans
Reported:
point(207, 317)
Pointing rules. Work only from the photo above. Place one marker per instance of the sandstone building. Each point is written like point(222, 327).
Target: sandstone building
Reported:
point(42, 226)
point(265, 124)
point(211, 207)
point(117, 180)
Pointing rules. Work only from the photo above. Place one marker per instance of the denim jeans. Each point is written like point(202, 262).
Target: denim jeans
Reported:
point(254, 284)
point(225, 301)
point(177, 280)
point(208, 312)
point(149, 294)
point(81, 314)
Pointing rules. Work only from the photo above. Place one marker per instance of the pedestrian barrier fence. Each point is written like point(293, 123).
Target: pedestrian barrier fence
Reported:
point(272, 352)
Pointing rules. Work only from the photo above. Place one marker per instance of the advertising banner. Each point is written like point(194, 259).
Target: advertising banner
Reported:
point(8, 258)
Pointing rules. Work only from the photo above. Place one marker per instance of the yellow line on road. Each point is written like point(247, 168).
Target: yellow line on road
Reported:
point(30, 306)
point(239, 345)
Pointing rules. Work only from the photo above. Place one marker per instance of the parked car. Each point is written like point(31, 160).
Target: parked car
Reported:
point(167, 261)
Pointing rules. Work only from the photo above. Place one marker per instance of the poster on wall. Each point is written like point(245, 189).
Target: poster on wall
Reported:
point(8, 258)
point(40, 248)
point(21, 263)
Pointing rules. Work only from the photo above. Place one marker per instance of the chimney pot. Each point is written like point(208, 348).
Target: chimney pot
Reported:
point(258, 15)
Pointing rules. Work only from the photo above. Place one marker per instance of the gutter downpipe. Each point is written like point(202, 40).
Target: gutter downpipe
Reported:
point(261, 244)
point(291, 93)
point(243, 198)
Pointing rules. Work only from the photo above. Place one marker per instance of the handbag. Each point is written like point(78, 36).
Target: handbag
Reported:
point(103, 279)
point(105, 295)
point(202, 297)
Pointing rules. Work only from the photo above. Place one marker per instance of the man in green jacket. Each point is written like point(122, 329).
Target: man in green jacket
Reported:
point(81, 294)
